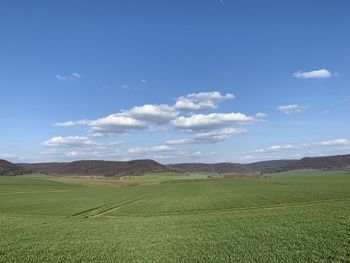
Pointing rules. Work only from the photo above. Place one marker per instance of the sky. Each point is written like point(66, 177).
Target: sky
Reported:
point(174, 81)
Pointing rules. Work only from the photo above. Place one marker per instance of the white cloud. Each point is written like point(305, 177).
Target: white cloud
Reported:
point(138, 150)
point(276, 148)
point(71, 76)
point(7, 155)
point(209, 137)
point(201, 101)
point(304, 146)
point(155, 149)
point(138, 117)
point(115, 124)
point(161, 148)
point(217, 135)
point(76, 75)
point(314, 74)
point(179, 141)
point(337, 142)
point(202, 122)
point(260, 115)
point(291, 108)
point(155, 117)
point(70, 141)
point(152, 113)
point(71, 123)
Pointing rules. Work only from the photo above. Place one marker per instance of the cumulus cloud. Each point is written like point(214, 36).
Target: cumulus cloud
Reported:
point(71, 76)
point(211, 127)
point(201, 101)
point(152, 113)
point(137, 117)
point(291, 108)
point(209, 137)
point(314, 74)
point(70, 141)
point(116, 124)
point(202, 122)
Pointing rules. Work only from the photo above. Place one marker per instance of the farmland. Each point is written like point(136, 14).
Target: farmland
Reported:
point(299, 216)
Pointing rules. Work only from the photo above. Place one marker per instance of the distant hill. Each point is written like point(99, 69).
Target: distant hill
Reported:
point(8, 168)
point(269, 165)
point(212, 167)
point(98, 168)
point(336, 162)
point(140, 167)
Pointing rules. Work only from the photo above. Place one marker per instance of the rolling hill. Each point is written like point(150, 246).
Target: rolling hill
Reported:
point(98, 168)
point(338, 162)
point(8, 168)
point(140, 167)
point(212, 167)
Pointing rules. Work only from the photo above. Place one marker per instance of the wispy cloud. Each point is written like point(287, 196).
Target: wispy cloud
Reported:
point(71, 123)
point(291, 108)
point(155, 149)
point(315, 147)
point(276, 148)
point(71, 76)
point(314, 74)
point(337, 142)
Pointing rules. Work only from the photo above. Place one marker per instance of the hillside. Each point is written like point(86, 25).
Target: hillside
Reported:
point(8, 168)
point(269, 165)
point(140, 167)
point(336, 162)
point(98, 168)
point(211, 168)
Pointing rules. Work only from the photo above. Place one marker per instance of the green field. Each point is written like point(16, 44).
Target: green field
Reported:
point(289, 217)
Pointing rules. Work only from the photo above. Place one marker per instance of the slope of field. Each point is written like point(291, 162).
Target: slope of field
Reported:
point(292, 218)
point(97, 167)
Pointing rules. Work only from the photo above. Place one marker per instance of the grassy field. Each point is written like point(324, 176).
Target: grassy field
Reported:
point(299, 216)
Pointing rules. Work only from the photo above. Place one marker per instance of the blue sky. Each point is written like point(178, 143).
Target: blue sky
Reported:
point(175, 81)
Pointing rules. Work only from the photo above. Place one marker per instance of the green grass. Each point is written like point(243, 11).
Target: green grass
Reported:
point(301, 216)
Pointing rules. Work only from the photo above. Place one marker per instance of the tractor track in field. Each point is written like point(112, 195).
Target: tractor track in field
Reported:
point(100, 210)
point(239, 209)
point(35, 192)
point(111, 209)
point(105, 208)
